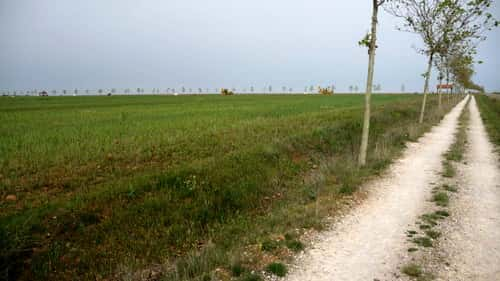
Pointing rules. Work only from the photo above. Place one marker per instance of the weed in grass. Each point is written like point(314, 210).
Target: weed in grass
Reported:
point(423, 241)
point(441, 199)
point(433, 234)
point(412, 270)
point(277, 269)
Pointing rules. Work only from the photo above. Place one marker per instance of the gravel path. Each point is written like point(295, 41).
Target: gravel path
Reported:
point(367, 243)
point(472, 247)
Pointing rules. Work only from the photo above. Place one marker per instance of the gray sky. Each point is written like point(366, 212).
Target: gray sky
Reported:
point(57, 44)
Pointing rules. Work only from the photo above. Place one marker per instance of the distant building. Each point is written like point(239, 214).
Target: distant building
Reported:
point(43, 94)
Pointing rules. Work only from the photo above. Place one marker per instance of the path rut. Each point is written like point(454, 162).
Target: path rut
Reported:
point(472, 247)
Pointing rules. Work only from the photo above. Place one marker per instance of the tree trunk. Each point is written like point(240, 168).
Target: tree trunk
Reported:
point(426, 87)
point(448, 83)
point(439, 92)
point(369, 85)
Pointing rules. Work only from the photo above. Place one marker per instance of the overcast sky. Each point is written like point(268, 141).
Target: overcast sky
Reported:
point(67, 44)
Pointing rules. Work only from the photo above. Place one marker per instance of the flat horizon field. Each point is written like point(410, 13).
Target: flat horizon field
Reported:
point(102, 187)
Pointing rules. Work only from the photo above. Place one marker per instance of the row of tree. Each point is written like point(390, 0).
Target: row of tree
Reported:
point(450, 31)
point(251, 89)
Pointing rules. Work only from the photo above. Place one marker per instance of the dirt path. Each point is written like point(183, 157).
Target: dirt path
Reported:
point(472, 247)
point(367, 243)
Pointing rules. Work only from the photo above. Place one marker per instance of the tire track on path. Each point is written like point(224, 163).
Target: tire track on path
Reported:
point(472, 247)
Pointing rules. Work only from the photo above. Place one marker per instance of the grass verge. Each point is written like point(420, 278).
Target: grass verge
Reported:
point(490, 113)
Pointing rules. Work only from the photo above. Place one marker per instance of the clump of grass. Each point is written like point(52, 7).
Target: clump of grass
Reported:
point(442, 213)
point(450, 188)
point(425, 226)
point(433, 234)
point(423, 241)
point(412, 270)
point(412, 249)
point(237, 269)
point(449, 170)
point(277, 269)
point(441, 199)
point(295, 245)
point(269, 245)
point(410, 233)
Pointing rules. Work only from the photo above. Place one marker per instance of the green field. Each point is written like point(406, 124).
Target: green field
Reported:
point(490, 113)
point(112, 186)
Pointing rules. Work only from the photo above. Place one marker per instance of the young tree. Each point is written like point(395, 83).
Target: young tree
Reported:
point(440, 24)
point(370, 41)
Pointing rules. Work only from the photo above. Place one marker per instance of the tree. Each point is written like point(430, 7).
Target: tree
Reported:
point(356, 89)
point(270, 89)
point(251, 89)
point(311, 89)
point(351, 88)
point(403, 88)
point(440, 24)
point(369, 41)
